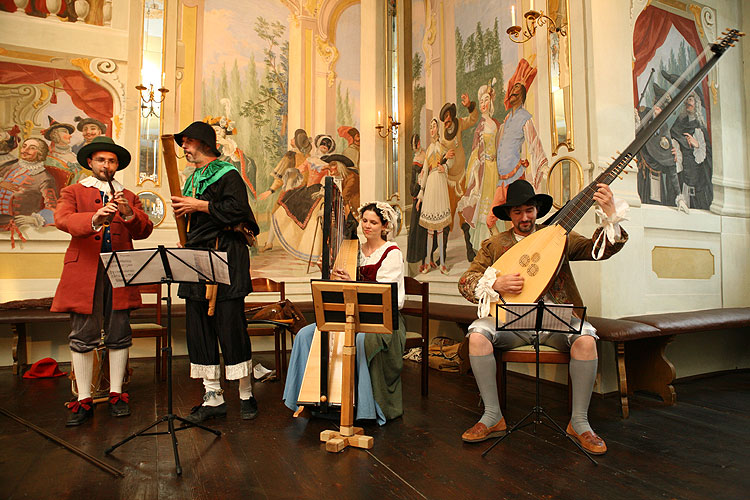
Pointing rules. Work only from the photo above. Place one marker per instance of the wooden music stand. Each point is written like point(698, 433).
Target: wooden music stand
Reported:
point(351, 307)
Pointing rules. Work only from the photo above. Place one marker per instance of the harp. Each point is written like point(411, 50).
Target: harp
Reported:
point(538, 256)
point(321, 384)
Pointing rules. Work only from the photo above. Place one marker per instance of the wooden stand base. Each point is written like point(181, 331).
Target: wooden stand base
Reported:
point(337, 441)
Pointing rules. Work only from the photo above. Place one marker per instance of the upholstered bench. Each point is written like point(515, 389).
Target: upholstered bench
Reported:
point(641, 341)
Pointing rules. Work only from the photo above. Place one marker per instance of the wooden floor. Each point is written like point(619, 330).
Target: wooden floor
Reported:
point(697, 449)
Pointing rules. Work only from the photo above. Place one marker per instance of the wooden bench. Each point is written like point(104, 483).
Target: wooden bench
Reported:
point(20, 313)
point(641, 341)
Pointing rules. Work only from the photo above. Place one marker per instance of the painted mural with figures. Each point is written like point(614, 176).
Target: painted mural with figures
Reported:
point(47, 114)
point(675, 167)
point(475, 132)
point(245, 96)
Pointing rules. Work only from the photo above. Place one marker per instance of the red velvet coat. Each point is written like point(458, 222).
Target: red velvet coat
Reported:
point(75, 209)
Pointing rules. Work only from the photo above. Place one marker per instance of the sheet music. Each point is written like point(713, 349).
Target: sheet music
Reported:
point(138, 267)
point(556, 316)
point(180, 260)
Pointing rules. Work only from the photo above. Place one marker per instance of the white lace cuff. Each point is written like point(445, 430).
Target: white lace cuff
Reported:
point(484, 292)
point(610, 227)
point(212, 372)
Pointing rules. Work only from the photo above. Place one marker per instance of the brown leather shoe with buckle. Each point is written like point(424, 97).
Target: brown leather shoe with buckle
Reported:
point(589, 441)
point(480, 432)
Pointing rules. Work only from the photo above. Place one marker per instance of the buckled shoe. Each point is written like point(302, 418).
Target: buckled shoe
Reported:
point(118, 404)
point(589, 441)
point(481, 432)
point(80, 412)
point(202, 412)
point(248, 408)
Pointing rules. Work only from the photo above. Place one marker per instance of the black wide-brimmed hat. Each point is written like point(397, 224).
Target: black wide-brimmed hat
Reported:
point(103, 143)
point(200, 131)
point(520, 192)
point(345, 160)
point(449, 109)
point(302, 141)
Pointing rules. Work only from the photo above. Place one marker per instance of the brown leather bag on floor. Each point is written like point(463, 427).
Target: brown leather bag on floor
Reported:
point(443, 354)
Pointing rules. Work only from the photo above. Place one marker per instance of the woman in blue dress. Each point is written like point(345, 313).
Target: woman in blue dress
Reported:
point(379, 356)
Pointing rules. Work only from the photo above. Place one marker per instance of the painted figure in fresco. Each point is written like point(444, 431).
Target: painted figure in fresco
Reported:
point(351, 135)
point(230, 152)
point(294, 221)
point(28, 192)
point(453, 129)
point(98, 220)
point(286, 175)
point(522, 208)
point(692, 153)
point(657, 170)
point(90, 128)
point(433, 200)
point(344, 170)
point(8, 142)
point(61, 153)
point(516, 133)
point(214, 199)
point(416, 249)
point(379, 357)
point(481, 174)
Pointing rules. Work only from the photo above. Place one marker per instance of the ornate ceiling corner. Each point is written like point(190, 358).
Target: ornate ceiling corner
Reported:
point(330, 55)
point(106, 70)
point(83, 63)
point(708, 21)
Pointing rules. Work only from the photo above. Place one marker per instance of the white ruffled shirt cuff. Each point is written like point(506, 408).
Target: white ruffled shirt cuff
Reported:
point(610, 226)
point(484, 292)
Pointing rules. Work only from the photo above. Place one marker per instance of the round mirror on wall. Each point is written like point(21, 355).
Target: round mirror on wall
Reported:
point(153, 205)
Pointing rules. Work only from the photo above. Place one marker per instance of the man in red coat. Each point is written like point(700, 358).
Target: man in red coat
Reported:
point(98, 221)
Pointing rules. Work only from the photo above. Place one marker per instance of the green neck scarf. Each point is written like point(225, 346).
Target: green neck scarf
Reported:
point(203, 177)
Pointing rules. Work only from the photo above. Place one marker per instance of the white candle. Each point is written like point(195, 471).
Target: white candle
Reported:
point(513, 15)
point(531, 7)
point(379, 122)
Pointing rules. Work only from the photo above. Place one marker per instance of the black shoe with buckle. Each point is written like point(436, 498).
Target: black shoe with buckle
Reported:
point(248, 408)
point(200, 413)
point(118, 404)
point(81, 411)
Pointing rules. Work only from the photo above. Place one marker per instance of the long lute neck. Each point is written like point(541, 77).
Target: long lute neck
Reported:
point(572, 212)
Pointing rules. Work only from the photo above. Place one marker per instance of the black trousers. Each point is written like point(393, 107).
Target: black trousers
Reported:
point(228, 327)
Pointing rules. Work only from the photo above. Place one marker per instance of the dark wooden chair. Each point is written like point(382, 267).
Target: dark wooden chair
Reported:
point(271, 326)
point(154, 329)
point(419, 308)
point(526, 354)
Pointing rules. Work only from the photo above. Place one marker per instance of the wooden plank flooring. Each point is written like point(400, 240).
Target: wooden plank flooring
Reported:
point(694, 450)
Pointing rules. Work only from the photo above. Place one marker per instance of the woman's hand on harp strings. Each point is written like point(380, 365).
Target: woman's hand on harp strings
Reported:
point(341, 275)
point(184, 205)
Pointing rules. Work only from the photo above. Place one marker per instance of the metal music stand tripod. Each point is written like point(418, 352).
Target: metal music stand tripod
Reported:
point(166, 266)
point(538, 318)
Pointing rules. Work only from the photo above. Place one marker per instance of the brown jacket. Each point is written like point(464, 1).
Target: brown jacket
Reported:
point(563, 289)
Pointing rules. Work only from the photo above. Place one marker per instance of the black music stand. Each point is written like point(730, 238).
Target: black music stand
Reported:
point(166, 266)
point(538, 318)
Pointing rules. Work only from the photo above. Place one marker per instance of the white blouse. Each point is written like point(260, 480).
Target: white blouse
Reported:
point(391, 269)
